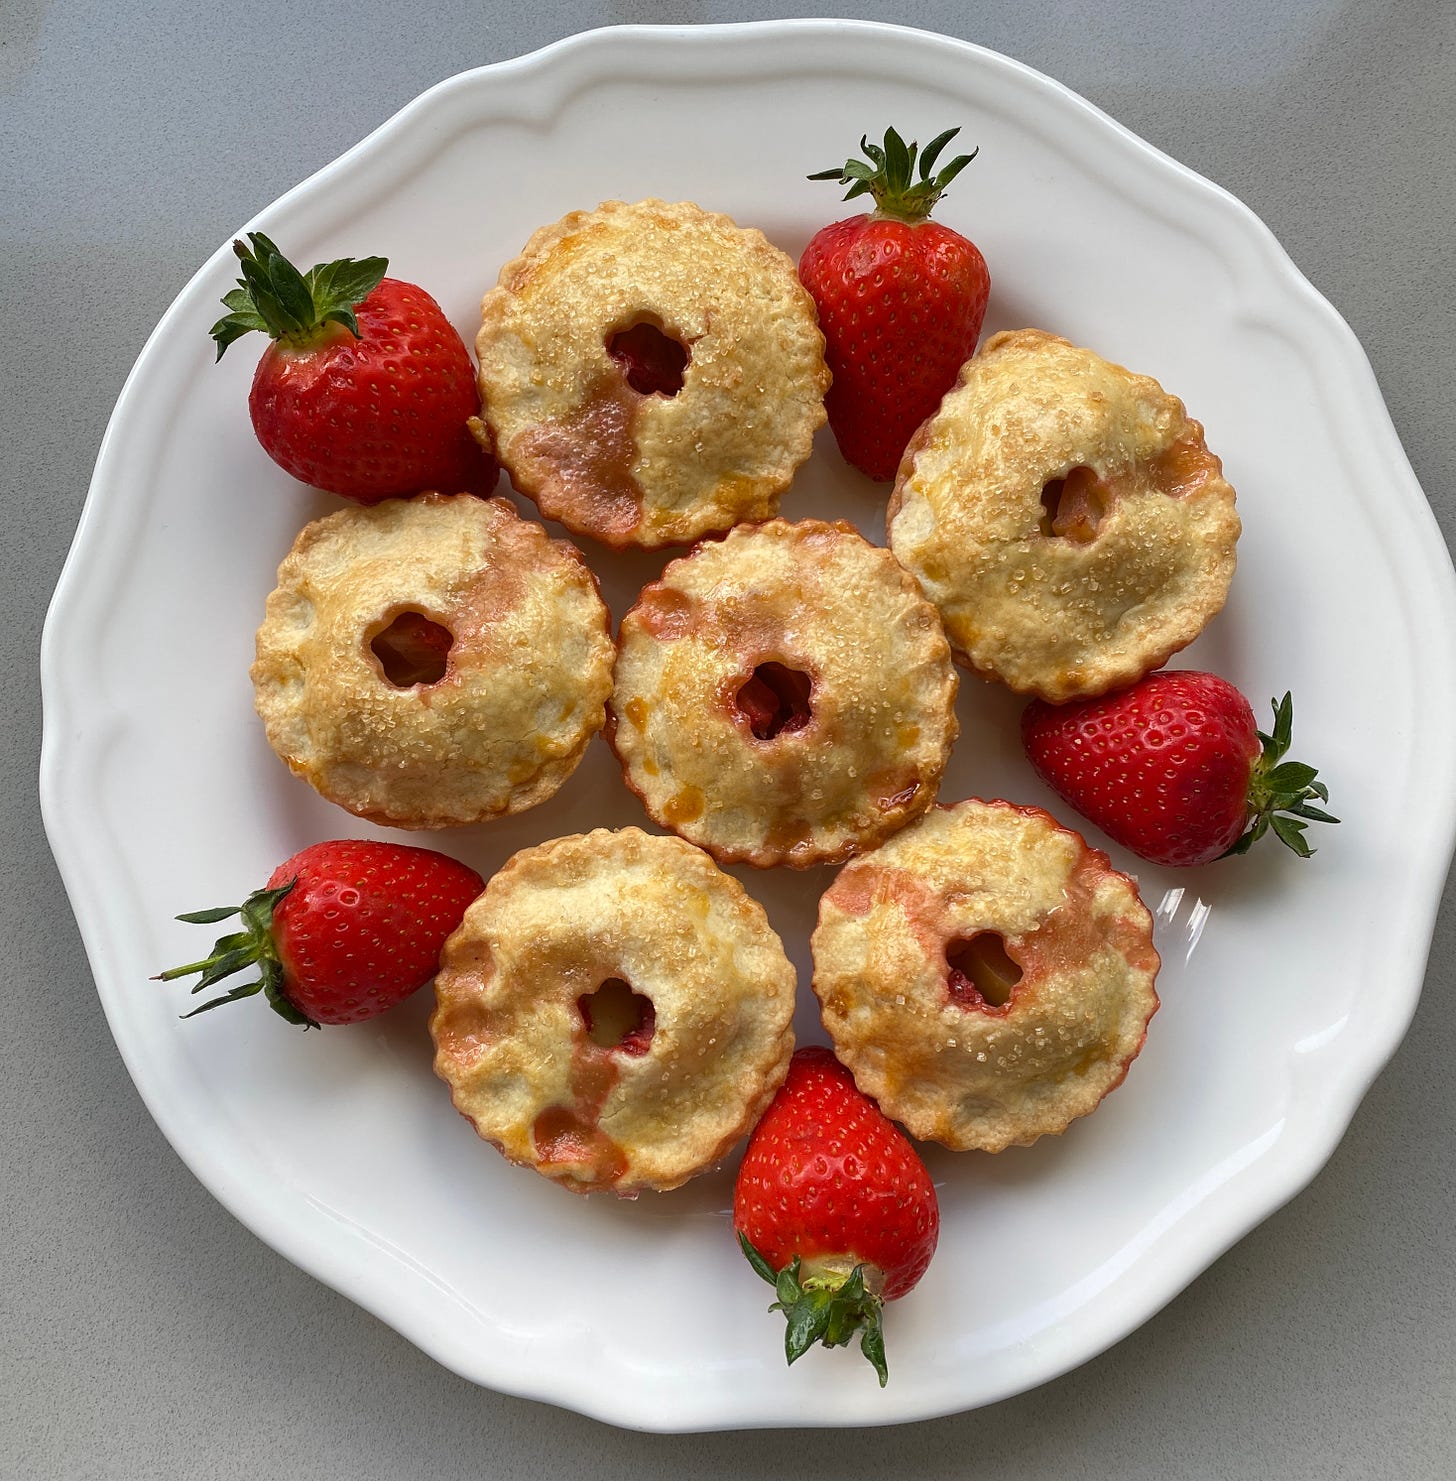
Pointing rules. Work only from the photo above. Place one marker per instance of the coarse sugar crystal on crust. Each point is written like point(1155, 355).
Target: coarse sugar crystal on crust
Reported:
point(985, 975)
point(1066, 517)
point(784, 695)
point(650, 372)
point(432, 661)
point(614, 1011)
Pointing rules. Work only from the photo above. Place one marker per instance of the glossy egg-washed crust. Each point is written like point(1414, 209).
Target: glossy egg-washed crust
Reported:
point(553, 925)
point(1047, 613)
point(650, 470)
point(980, 1077)
point(815, 597)
point(527, 676)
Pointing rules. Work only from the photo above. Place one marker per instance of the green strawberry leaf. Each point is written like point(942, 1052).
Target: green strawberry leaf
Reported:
point(245, 990)
point(292, 307)
point(786, 1286)
point(279, 1000)
point(1283, 722)
point(827, 1308)
point(346, 281)
point(243, 317)
point(872, 1345)
point(1291, 832)
point(1315, 814)
point(897, 162)
point(252, 946)
point(209, 917)
point(808, 1324)
point(1280, 791)
point(932, 152)
point(764, 1269)
point(257, 283)
point(890, 175)
point(226, 330)
point(1290, 776)
point(288, 289)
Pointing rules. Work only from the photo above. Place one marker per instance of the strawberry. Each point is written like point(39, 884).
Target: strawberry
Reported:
point(900, 300)
point(366, 389)
point(833, 1208)
point(1174, 768)
point(342, 931)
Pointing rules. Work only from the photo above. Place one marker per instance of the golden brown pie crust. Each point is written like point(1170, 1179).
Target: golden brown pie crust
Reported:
point(524, 688)
point(959, 1069)
point(654, 469)
point(820, 600)
point(1140, 552)
point(556, 923)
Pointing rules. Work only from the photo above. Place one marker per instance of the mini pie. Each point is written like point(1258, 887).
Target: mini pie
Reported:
point(985, 975)
point(650, 372)
point(614, 1011)
point(431, 661)
point(1066, 517)
point(784, 695)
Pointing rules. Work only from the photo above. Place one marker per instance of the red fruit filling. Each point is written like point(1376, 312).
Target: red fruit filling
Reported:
point(1074, 506)
point(775, 700)
point(561, 1134)
point(652, 361)
point(616, 1017)
point(980, 972)
point(413, 650)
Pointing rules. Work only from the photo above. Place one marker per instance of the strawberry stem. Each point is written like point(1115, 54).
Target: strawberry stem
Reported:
point(889, 175)
point(1282, 793)
point(828, 1307)
point(252, 946)
point(288, 306)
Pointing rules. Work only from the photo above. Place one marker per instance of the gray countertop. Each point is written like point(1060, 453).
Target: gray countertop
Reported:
point(144, 1332)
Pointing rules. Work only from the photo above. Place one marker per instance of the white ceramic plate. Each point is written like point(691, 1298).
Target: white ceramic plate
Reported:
point(1286, 986)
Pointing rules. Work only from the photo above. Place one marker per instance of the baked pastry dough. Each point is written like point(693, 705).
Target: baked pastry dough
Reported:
point(543, 1035)
point(431, 661)
point(784, 695)
point(1066, 517)
point(985, 974)
point(581, 429)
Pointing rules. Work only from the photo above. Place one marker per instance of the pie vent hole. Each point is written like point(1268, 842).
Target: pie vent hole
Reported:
point(1074, 506)
point(412, 650)
point(652, 360)
point(618, 1017)
point(775, 700)
point(980, 971)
